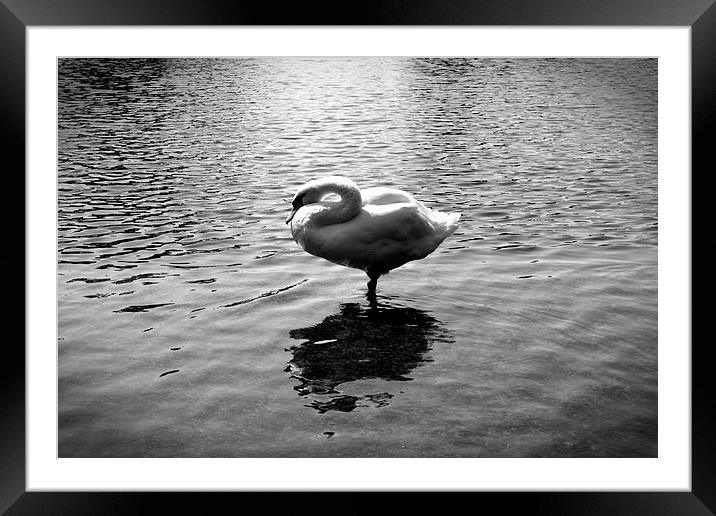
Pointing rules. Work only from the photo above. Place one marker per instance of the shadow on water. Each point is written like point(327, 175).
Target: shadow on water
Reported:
point(360, 342)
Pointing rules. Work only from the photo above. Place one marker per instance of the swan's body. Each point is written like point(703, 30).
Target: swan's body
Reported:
point(375, 230)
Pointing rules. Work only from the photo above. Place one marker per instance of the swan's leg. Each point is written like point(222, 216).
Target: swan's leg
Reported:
point(373, 283)
point(372, 299)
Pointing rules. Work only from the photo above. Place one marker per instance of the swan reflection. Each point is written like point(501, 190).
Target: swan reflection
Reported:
point(378, 341)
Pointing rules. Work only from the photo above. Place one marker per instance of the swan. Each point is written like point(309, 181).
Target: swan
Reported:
point(375, 229)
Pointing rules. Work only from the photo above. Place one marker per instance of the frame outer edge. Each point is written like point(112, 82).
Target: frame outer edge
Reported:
point(12, 261)
point(12, 385)
point(703, 393)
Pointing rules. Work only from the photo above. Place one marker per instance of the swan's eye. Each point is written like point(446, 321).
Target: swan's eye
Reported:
point(297, 202)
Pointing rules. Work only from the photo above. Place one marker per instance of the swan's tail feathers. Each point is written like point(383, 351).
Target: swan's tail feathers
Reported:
point(448, 221)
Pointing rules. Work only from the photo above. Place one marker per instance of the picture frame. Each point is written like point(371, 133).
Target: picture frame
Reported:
point(17, 15)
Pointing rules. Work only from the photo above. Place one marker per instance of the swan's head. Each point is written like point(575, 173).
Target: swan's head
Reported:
point(295, 206)
point(307, 194)
point(315, 190)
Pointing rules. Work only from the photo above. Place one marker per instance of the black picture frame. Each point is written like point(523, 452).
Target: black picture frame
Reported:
point(17, 15)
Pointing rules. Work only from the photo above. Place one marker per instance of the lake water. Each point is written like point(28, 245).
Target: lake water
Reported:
point(192, 325)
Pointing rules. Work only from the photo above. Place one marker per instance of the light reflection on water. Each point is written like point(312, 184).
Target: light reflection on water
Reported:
point(191, 324)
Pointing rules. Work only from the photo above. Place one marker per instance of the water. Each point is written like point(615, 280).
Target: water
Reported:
point(192, 325)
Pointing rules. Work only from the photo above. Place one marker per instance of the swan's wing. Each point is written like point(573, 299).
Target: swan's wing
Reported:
point(389, 202)
point(381, 195)
point(378, 229)
point(382, 236)
point(400, 222)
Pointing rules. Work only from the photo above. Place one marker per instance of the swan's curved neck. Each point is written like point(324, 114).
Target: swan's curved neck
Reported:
point(342, 211)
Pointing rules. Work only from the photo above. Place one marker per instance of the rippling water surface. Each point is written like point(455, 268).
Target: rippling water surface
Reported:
point(191, 324)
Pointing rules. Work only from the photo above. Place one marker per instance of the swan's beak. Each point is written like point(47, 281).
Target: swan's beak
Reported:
point(290, 215)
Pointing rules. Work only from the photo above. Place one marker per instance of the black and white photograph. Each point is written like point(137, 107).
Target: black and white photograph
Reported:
point(388, 257)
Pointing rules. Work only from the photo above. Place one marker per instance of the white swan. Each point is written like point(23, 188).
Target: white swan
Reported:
point(375, 230)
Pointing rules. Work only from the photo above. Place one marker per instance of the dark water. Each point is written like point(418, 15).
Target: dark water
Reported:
point(191, 324)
